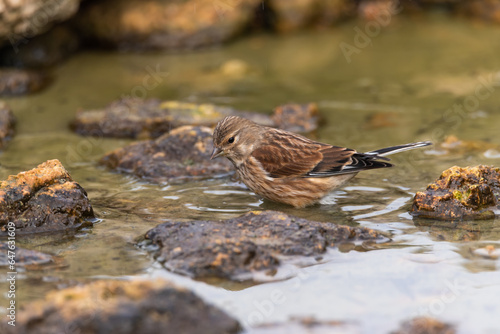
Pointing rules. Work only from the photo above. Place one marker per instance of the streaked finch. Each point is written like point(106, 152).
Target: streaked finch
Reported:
point(288, 168)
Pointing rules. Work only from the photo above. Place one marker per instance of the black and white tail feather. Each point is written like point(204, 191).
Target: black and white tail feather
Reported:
point(396, 149)
point(370, 160)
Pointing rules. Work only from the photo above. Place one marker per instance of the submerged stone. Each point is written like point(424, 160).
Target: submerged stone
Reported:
point(427, 325)
point(453, 145)
point(152, 118)
point(182, 154)
point(296, 117)
point(7, 124)
point(20, 81)
point(107, 306)
point(23, 257)
point(48, 49)
point(489, 252)
point(239, 247)
point(461, 193)
point(43, 199)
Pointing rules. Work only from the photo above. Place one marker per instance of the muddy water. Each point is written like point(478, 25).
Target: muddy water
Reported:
point(397, 89)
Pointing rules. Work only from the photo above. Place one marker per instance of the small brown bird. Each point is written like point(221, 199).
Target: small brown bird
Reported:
point(288, 168)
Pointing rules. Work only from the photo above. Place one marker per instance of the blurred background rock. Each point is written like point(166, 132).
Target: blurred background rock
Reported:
point(38, 34)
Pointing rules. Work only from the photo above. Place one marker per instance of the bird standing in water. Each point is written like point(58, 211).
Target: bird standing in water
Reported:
point(288, 168)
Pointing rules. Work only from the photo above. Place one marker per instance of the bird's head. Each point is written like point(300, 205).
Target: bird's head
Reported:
point(234, 138)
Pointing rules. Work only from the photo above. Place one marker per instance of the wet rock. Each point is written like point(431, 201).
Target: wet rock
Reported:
point(151, 118)
point(45, 50)
point(122, 307)
point(182, 154)
point(239, 247)
point(21, 20)
point(43, 199)
point(461, 193)
point(296, 117)
point(168, 25)
point(292, 15)
point(7, 124)
point(23, 257)
point(425, 325)
point(19, 81)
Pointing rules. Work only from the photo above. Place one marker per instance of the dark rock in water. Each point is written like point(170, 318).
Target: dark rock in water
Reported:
point(23, 257)
point(238, 247)
point(296, 117)
point(425, 325)
point(20, 82)
point(45, 50)
point(182, 154)
point(43, 199)
point(461, 193)
point(166, 25)
point(146, 307)
point(151, 118)
point(7, 124)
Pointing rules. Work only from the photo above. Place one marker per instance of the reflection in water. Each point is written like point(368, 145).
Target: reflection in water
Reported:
point(456, 230)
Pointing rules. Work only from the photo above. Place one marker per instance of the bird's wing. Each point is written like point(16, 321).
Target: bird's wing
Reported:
point(345, 162)
point(285, 155)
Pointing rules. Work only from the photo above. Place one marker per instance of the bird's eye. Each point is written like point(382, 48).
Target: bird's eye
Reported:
point(230, 140)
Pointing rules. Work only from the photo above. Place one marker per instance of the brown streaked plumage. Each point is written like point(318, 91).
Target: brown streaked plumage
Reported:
point(288, 168)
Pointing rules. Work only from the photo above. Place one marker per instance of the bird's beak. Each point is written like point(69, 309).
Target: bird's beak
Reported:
point(216, 153)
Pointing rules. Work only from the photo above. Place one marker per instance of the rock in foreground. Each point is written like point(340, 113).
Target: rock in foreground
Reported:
point(43, 199)
point(122, 307)
point(461, 193)
point(7, 124)
point(179, 155)
point(238, 247)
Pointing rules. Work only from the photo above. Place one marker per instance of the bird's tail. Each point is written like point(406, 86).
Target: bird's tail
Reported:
point(396, 149)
